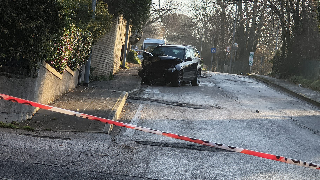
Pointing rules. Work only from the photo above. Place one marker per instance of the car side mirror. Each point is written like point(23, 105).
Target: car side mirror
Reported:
point(146, 55)
point(189, 59)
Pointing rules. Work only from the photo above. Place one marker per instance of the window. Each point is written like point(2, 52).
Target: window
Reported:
point(169, 51)
point(189, 53)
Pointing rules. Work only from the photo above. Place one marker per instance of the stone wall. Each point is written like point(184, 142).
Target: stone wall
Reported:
point(48, 86)
point(106, 52)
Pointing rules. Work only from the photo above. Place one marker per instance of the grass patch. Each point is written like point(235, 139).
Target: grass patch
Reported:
point(15, 125)
point(102, 77)
point(27, 128)
point(308, 83)
point(12, 125)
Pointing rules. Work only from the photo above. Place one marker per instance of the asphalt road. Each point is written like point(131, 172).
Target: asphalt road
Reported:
point(229, 109)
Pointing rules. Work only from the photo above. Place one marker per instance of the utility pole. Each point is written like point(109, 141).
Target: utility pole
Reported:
point(125, 46)
point(88, 63)
point(203, 29)
point(161, 24)
point(203, 19)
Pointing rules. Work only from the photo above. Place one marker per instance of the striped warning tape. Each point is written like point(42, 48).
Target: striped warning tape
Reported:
point(171, 135)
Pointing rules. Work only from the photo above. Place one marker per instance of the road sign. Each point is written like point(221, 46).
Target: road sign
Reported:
point(251, 58)
point(213, 50)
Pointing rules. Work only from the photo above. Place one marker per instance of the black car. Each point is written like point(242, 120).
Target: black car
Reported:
point(175, 64)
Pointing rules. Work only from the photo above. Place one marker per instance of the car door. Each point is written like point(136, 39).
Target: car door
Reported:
point(188, 68)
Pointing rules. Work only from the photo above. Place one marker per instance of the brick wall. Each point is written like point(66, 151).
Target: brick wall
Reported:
point(106, 52)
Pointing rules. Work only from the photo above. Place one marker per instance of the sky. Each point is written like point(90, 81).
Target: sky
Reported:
point(183, 9)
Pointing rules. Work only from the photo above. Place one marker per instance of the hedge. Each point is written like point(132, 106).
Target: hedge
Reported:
point(25, 26)
point(61, 32)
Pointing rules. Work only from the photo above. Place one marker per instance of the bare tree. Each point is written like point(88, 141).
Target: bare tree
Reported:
point(251, 17)
point(179, 29)
point(282, 33)
point(154, 26)
point(213, 23)
point(300, 36)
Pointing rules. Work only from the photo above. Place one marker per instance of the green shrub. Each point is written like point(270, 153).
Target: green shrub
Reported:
point(28, 128)
point(81, 15)
point(11, 125)
point(61, 32)
point(72, 49)
point(296, 79)
point(132, 57)
point(315, 85)
point(25, 26)
point(312, 84)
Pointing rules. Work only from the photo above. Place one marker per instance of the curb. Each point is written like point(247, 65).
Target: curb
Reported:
point(116, 110)
point(297, 95)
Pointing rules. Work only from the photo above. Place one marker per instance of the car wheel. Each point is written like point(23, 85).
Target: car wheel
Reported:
point(145, 81)
point(177, 79)
point(194, 82)
point(199, 72)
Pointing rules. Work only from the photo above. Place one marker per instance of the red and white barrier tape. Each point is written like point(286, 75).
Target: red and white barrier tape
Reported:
point(171, 135)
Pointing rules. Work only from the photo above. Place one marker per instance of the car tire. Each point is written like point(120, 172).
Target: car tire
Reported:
point(177, 79)
point(145, 81)
point(194, 82)
point(199, 72)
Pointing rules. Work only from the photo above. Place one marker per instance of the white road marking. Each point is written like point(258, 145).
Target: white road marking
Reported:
point(134, 121)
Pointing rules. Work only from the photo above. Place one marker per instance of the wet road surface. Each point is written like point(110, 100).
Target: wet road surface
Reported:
point(229, 109)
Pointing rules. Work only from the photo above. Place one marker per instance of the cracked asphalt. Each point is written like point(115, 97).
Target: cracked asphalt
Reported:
point(229, 109)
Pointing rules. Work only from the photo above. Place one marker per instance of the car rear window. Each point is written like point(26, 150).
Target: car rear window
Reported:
point(169, 51)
